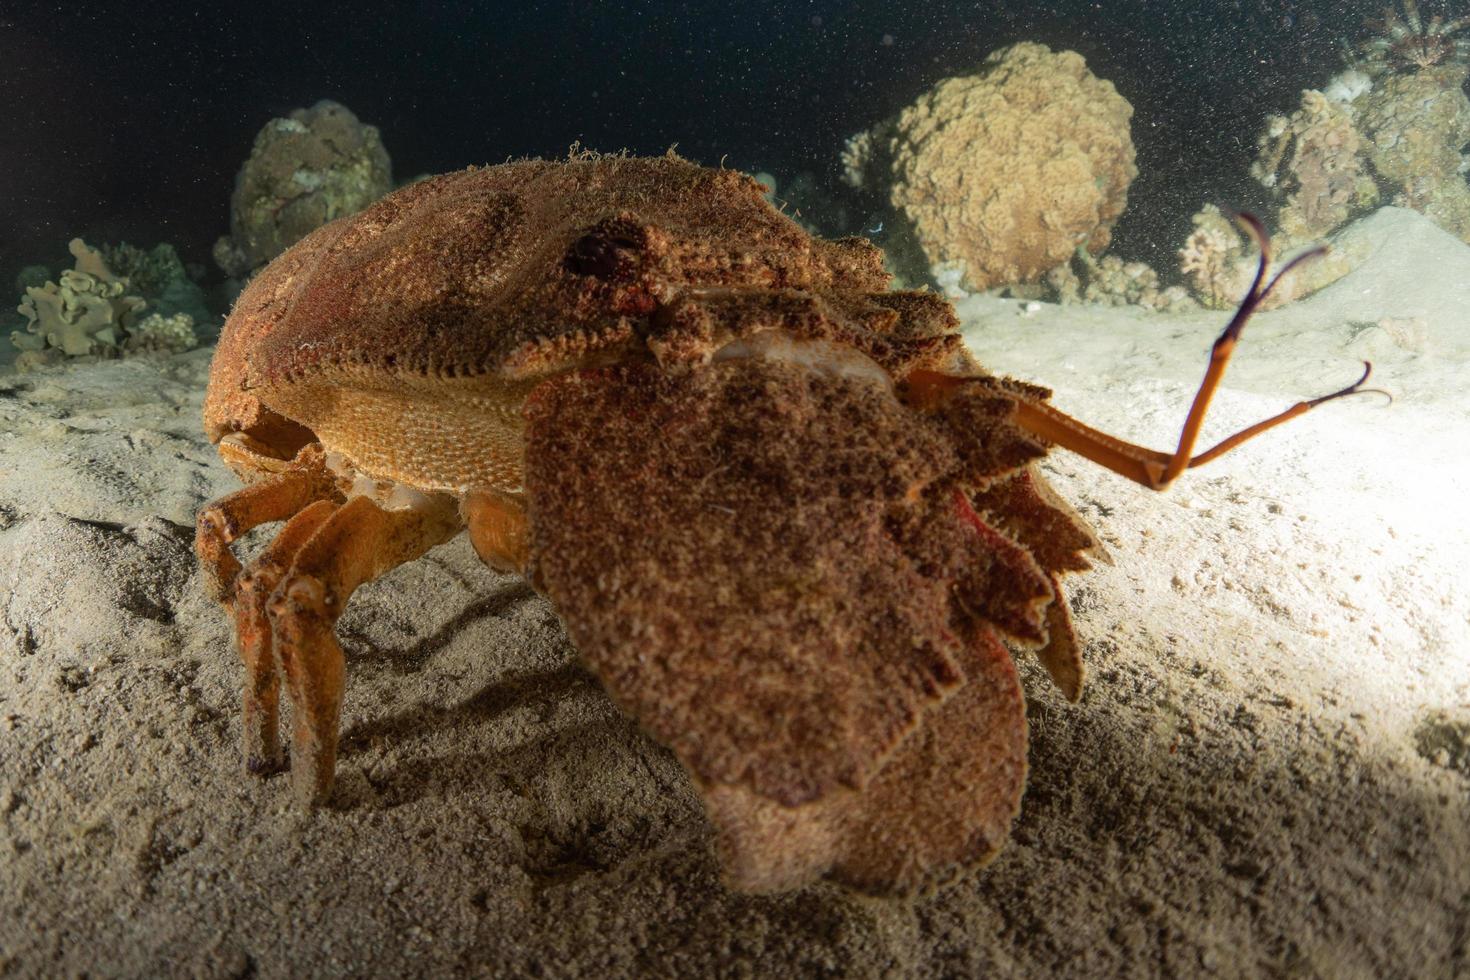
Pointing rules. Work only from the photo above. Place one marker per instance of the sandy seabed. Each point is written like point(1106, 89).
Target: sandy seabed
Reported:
point(1269, 773)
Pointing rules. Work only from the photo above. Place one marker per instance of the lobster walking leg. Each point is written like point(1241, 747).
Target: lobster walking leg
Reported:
point(358, 542)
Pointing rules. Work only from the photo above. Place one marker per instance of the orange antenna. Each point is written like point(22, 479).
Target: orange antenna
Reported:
point(1155, 469)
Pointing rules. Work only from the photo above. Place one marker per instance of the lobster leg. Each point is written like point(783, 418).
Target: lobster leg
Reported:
point(300, 492)
point(253, 588)
point(498, 532)
point(358, 542)
point(275, 498)
point(1154, 469)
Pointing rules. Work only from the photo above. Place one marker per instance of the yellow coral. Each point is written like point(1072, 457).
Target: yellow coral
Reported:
point(1113, 282)
point(1008, 171)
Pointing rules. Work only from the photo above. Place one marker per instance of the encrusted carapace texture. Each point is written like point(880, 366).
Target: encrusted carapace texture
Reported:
point(944, 801)
point(400, 330)
point(753, 612)
point(779, 572)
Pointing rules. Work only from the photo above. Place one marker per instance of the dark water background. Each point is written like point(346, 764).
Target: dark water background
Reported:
point(129, 121)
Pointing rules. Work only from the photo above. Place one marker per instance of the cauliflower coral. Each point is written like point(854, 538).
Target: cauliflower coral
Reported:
point(1004, 174)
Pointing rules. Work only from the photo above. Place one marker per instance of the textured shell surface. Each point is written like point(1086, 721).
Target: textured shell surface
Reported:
point(426, 318)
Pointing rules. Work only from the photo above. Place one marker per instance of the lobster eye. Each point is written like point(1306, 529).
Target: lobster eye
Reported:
point(602, 255)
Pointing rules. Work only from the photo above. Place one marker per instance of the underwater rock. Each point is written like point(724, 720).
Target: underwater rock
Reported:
point(1443, 738)
point(312, 167)
point(1005, 173)
point(160, 277)
point(1417, 126)
point(1313, 160)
